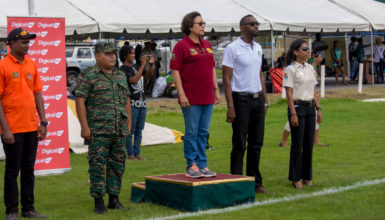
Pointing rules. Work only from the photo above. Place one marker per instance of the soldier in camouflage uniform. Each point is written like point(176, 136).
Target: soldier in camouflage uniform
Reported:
point(103, 108)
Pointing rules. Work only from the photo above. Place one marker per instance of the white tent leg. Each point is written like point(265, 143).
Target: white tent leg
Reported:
point(371, 44)
point(360, 76)
point(31, 7)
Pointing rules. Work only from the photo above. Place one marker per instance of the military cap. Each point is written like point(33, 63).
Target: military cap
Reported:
point(104, 47)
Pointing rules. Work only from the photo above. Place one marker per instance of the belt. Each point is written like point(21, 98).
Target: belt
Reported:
point(248, 94)
point(304, 103)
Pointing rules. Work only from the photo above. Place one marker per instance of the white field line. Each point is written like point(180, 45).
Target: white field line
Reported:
point(273, 201)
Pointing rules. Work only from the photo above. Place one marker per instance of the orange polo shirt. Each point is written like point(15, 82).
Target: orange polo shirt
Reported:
point(18, 83)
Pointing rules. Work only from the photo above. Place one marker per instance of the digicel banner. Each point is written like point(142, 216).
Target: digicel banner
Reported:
point(48, 51)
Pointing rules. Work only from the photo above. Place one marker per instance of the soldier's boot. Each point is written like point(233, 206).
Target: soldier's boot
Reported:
point(100, 208)
point(113, 203)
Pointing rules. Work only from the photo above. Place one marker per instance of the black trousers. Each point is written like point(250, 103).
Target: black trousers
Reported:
point(249, 125)
point(20, 157)
point(302, 139)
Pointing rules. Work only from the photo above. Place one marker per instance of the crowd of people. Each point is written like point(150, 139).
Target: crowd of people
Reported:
point(111, 107)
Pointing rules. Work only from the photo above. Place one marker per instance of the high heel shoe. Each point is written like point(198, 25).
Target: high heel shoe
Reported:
point(297, 185)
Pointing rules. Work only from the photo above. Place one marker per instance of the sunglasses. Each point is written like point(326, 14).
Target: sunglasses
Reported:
point(253, 23)
point(305, 49)
point(201, 23)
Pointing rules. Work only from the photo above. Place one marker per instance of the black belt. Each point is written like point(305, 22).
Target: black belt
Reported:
point(304, 103)
point(247, 94)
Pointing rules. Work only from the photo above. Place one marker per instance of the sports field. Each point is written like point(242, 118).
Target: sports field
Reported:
point(349, 175)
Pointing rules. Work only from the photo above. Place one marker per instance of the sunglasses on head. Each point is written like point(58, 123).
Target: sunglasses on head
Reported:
point(201, 23)
point(252, 23)
point(305, 49)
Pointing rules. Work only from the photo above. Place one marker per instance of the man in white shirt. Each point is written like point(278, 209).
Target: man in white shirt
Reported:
point(246, 98)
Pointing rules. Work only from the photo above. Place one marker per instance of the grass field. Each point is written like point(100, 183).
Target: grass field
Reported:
point(355, 131)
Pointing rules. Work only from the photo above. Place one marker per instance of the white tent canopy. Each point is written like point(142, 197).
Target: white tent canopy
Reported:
point(373, 11)
point(75, 19)
point(91, 16)
point(309, 15)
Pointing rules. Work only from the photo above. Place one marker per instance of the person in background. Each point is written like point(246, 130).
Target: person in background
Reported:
point(300, 83)
point(138, 51)
point(353, 58)
point(149, 81)
point(104, 112)
point(320, 47)
point(134, 74)
point(20, 99)
point(193, 70)
point(379, 50)
point(337, 55)
point(157, 59)
point(247, 103)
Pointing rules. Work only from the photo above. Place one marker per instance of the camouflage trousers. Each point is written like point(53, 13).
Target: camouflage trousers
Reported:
point(106, 156)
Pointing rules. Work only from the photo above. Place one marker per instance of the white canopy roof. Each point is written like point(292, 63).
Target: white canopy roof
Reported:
point(91, 16)
point(373, 11)
point(75, 20)
point(312, 15)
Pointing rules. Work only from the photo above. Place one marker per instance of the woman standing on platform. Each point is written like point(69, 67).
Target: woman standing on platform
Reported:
point(193, 70)
point(300, 83)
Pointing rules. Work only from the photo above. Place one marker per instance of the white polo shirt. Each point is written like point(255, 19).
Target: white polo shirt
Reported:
point(246, 63)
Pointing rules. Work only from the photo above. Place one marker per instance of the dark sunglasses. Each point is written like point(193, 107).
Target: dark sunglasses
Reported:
point(305, 49)
point(253, 23)
point(201, 23)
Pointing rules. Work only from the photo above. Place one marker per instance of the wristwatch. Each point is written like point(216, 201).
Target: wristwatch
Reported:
point(44, 123)
point(318, 108)
point(267, 105)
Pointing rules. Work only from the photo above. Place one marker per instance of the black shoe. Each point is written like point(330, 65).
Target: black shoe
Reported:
point(32, 214)
point(113, 203)
point(11, 216)
point(99, 206)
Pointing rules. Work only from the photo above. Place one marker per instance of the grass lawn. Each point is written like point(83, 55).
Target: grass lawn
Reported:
point(355, 131)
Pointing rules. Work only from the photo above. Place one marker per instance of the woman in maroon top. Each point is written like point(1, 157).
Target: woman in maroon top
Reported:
point(193, 70)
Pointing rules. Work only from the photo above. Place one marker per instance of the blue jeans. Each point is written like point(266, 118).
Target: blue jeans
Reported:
point(197, 122)
point(138, 120)
point(353, 68)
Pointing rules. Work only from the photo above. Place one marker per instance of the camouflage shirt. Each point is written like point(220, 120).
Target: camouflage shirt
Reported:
point(106, 96)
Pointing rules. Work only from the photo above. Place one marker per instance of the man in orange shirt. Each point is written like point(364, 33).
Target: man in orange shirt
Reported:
point(20, 98)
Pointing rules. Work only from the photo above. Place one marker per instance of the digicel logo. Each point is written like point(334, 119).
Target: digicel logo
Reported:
point(57, 43)
point(44, 69)
point(54, 115)
point(44, 52)
point(31, 24)
point(49, 61)
point(31, 42)
point(46, 142)
point(45, 88)
point(46, 105)
point(60, 150)
point(48, 160)
point(58, 78)
point(56, 25)
point(58, 96)
point(60, 132)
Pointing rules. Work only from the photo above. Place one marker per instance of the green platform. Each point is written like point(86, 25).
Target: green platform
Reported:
point(183, 193)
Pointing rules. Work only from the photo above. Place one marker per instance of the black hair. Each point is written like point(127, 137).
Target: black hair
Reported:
point(334, 43)
point(188, 22)
point(124, 52)
point(290, 56)
point(242, 21)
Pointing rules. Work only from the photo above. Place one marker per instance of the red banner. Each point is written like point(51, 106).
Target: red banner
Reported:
point(48, 51)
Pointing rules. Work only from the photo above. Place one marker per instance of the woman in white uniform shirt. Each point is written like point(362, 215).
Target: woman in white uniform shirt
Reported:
point(300, 83)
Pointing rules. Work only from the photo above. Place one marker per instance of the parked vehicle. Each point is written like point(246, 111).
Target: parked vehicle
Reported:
point(78, 58)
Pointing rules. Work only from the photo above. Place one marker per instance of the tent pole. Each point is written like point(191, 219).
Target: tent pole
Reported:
point(272, 48)
point(31, 7)
point(284, 44)
point(309, 45)
point(371, 44)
